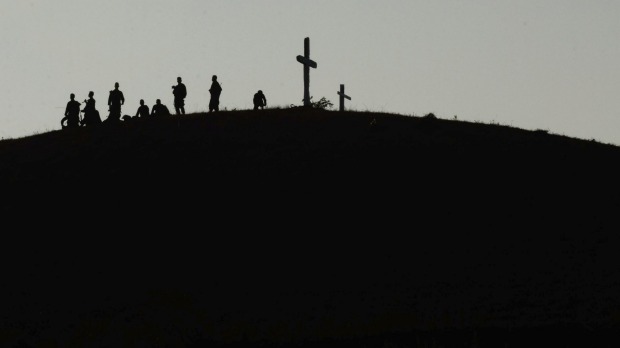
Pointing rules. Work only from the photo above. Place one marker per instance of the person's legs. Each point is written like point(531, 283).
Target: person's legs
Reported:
point(74, 122)
point(214, 106)
point(179, 106)
point(115, 113)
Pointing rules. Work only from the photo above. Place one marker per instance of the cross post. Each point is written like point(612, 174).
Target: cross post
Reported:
point(308, 63)
point(342, 97)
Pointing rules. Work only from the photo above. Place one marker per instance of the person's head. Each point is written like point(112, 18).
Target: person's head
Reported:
point(116, 85)
point(158, 102)
point(141, 101)
point(72, 96)
point(214, 78)
point(179, 79)
point(260, 92)
point(91, 94)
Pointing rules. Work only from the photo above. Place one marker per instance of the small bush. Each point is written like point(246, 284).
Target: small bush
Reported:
point(322, 104)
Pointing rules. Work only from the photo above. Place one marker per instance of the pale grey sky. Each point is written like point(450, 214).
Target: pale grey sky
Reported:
point(533, 64)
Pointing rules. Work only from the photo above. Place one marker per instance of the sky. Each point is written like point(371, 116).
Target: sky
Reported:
point(532, 64)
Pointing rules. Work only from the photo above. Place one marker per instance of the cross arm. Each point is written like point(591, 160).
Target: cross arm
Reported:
point(309, 62)
point(344, 95)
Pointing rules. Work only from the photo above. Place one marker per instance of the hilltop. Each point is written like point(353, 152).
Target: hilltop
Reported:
point(291, 142)
point(312, 227)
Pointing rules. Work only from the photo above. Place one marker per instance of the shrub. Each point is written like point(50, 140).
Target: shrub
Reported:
point(322, 104)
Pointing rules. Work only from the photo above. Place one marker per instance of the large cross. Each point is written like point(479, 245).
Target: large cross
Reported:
point(308, 63)
point(342, 96)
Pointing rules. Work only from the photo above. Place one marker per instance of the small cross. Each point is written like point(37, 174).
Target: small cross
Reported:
point(308, 63)
point(342, 97)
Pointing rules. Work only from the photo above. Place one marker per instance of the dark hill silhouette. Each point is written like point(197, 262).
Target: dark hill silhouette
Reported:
point(310, 228)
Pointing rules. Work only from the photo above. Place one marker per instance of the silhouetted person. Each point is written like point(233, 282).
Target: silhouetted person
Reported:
point(259, 100)
point(91, 115)
point(143, 110)
point(127, 118)
point(72, 114)
point(215, 90)
point(180, 92)
point(160, 109)
point(115, 100)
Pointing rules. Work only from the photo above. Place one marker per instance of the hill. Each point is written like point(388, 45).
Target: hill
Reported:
point(309, 228)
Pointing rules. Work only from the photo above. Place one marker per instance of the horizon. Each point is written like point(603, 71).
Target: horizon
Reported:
point(547, 66)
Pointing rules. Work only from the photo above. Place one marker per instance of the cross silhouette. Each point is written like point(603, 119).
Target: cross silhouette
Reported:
point(308, 63)
point(342, 96)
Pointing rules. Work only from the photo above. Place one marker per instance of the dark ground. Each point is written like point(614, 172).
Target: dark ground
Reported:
point(311, 229)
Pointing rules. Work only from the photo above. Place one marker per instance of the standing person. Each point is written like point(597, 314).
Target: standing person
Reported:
point(259, 100)
point(115, 100)
point(215, 90)
point(160, 109)
point(72, 113)
point(180, 92)
point(143, 110)
point(91, 115)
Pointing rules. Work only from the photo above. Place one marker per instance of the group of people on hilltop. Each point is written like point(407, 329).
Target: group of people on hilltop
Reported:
point(116, 100)
point(72, 113)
